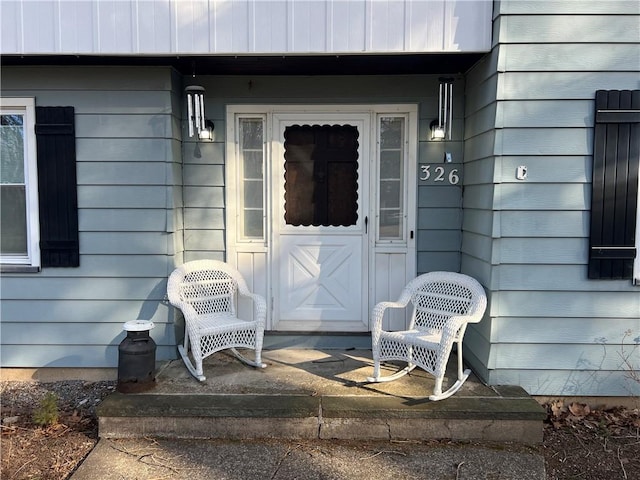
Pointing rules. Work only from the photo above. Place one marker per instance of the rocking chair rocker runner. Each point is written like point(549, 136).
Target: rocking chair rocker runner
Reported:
point(443, 304)
point(206, 293)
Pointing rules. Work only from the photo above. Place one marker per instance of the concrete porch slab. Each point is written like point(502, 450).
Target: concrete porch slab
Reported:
point(316, 394)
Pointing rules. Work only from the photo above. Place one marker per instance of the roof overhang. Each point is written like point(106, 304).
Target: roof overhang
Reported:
point(370, 64)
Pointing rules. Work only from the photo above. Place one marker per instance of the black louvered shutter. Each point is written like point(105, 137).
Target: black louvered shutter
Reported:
point(616, 159)
point(57, 191)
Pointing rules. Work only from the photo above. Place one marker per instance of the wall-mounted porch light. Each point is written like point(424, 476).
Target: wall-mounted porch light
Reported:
point(437, 131)
point(207, 132)
point(195, 109)
point(441, 128)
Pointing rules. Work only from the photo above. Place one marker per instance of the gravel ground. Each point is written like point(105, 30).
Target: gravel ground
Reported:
point(580, 443)
point(78, 395)
point(51, 452)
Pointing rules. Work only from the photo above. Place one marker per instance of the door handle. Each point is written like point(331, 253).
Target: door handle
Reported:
point(366, 225)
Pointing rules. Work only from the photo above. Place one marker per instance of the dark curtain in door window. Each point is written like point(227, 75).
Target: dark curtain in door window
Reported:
point(321, 175)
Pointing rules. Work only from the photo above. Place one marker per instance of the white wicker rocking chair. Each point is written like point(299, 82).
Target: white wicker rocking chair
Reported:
point(443, 304)
point(206, 293)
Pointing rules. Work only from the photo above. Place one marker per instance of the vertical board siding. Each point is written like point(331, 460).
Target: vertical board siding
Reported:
point(551, 57)
point(161, 27)
point(125, 149)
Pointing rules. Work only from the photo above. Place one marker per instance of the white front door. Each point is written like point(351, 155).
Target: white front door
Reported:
point(321, 210)
point(320, 222)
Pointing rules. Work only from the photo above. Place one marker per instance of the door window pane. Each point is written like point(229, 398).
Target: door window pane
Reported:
point(321, 175)
point(252, 174)
point(391, 186)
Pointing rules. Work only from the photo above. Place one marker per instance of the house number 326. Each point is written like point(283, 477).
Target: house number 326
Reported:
point(439, 174)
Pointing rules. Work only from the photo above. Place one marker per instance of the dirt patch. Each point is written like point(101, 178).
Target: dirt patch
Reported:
point(591, 444)
point(579, 442)
point(29, 450)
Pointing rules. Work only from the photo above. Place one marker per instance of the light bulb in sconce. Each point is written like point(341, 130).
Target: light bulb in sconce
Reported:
point(207, 132)
point(438, 132)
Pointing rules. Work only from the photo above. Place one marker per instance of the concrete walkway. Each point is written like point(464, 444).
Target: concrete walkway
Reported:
point(309, 460)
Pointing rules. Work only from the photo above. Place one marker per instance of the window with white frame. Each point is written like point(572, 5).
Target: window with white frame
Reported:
point(19, 227)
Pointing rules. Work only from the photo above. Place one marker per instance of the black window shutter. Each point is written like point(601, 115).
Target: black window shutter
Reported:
point(56, 149)
point(614, 201)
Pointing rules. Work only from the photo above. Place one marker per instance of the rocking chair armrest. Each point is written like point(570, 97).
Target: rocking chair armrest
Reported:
point(451, 328)
point(259, 305)
point(377, 315)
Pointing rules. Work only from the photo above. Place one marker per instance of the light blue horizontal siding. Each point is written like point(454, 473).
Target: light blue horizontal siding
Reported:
point(204, 240)
point(608, 334)
point(127, 143)
point(69, 334)
point(530, 196)
point(548, 251)
point(531, 102)
point(108, 101)
point(70, 288)
point(65, 356)
point(439, 240)
point(130, 173)
point(559, 8)
point(118, 265)
point(89, 311)
point(124, 126)
point(203, 197)
point(556, 169)
point(545, 114)
point(603, 305)
point(549, 277)
point(122, 220)
point(597, 383)
point(545, 357)
point(204, 255)
point(544, 224)
point(544, 141)
point(561, 85)
point(126, 149)
point(204, 175)
point(122, 196)
point(202, 218)
point(444, 218)
point(127, 243)
point(573, 57)
point(562, 28)
point(438, 261)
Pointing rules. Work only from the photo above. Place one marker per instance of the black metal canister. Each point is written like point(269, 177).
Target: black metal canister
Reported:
point(136, 358)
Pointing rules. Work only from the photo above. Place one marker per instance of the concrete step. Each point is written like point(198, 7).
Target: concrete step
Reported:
point(307, 394)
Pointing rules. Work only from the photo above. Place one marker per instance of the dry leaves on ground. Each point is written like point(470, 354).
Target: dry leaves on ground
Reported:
point(591, 444)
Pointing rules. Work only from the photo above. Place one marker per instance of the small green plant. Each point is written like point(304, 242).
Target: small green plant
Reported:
point(47, 412)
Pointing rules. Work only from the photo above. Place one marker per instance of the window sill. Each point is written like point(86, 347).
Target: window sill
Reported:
point(18, 269)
